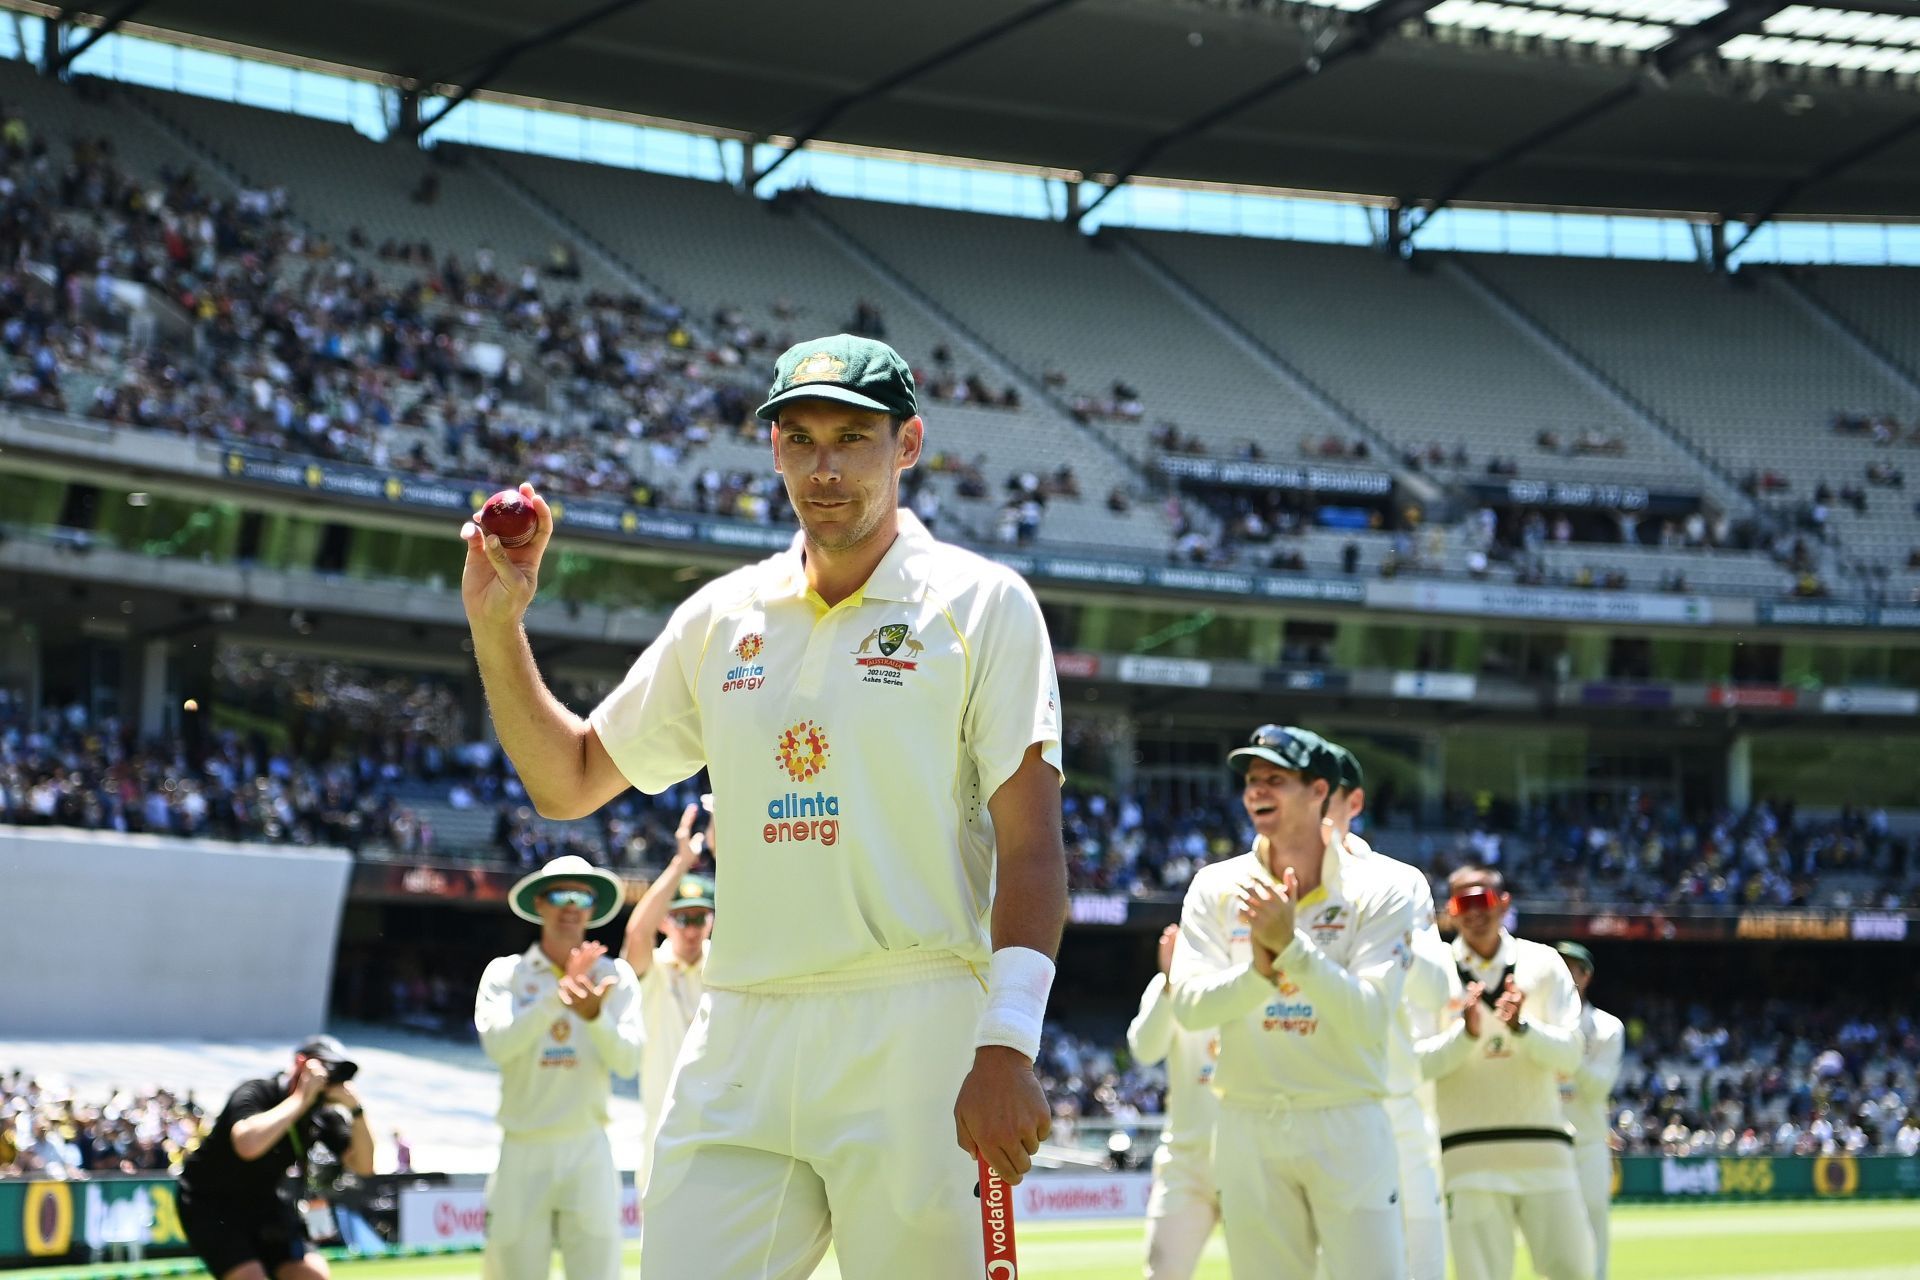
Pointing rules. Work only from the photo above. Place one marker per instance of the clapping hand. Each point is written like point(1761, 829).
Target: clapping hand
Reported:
point(1470, 1012)
point(1507, 1009)
point(578, 991)
point(1267, 910)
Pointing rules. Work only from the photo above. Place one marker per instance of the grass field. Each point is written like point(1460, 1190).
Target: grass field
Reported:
point(1793, 1241)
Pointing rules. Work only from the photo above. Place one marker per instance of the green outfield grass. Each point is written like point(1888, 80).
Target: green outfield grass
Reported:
point(1793, 1241)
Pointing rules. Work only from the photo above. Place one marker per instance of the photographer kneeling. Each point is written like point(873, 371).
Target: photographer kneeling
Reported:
point(236, 1204)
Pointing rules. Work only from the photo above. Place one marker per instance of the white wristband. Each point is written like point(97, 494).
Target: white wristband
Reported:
point(1018, 980)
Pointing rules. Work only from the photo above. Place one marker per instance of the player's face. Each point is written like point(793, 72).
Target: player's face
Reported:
point(688, 930)
point(1580, 973)
point(1477, 907)
point(560, 908)
point(842, 466)
point(1278, 800)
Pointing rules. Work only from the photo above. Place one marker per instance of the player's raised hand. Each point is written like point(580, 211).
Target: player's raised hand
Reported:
point(1001, 1115)
point(498, 582)
point(1507, 1008)
point(1470, 1012)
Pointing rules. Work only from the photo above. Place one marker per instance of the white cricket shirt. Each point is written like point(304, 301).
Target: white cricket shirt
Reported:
point(1499, 1095)
point(1423, 1004)
point(1190, 1057)
point(669, 994)
point(852, 748)
point(1584, 1095)
point(555, 1065)
point(1317, 1036)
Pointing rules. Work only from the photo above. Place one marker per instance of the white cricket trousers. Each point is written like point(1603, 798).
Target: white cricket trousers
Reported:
point(554, 1191)
point(1423, 1208)
point(1480, 1226)
point(1595, 1164)
point(825, 1114)
point(1293, 1182)
point(1182, 1210)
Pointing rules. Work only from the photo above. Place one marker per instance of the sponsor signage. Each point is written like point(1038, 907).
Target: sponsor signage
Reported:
point(1879, 926)
point(454, 883)
point(1646, 696)
point(1435, 686)
point(1097, 908)
point(1182, 673)
point(1870, 702)
point(1230, 473)
point(1534, 602)
point(456, 1217)
point(1073, 1195)
point(1794, 926)
point(1765, 697)
point(1574, 496)
point(1076, 666)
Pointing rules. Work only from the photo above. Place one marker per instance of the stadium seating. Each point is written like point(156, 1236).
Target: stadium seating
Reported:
point(1740, 369)
point(1414, 355)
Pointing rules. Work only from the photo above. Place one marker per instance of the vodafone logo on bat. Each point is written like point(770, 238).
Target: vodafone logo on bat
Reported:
point(1001, 1269)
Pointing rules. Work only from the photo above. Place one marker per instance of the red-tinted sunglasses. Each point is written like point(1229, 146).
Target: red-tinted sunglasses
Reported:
point(1476, 899)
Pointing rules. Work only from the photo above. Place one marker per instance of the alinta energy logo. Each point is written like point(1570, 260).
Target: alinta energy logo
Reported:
point(749, 674)
point(796, 817)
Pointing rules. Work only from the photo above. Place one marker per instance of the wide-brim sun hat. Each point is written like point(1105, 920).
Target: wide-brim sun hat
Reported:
point(608, 889)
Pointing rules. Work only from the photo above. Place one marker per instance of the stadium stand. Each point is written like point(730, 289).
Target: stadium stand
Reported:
point(441, 1092)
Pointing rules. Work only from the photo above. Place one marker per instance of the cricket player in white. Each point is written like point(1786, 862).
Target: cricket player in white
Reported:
point(879, 716)
point(1585, 1096)
point(1184, 1205)
point(672, 975)
point(1421, 1013)
point(1297, 952)
point(1505, 1145)
point(560, 1019)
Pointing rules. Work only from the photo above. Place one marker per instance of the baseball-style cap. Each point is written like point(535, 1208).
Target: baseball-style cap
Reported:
point(1352, 778)
point(694, 892)
point(1288, 748)
point(1576, 953)
point(325, 1048)
point(857, 371)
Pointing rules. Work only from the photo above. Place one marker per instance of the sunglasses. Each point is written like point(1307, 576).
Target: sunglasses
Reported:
point(1474, 900)
point(568, 898)
point(690, 919)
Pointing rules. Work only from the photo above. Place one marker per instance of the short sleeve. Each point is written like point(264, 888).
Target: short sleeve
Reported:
point(250, 1099)
point(1015, 699)
point(650, 724)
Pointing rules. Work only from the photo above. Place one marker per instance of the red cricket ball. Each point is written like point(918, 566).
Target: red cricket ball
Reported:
point(509, 517)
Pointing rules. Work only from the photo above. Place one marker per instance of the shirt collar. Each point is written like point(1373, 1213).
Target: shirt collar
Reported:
point(1502, 956)
point(538, 959)
point(900, 576)
point(1329, 867)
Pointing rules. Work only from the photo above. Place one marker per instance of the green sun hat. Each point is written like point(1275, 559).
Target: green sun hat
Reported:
point(693, 893)
point(608, 891)
point(1352, 777)
point(862, 372)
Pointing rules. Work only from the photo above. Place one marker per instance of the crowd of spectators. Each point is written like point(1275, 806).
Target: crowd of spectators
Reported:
point(1653, 855)
point(1781, 1078)
point(1777, 1078)
point(409, 357)
point(49, 1134)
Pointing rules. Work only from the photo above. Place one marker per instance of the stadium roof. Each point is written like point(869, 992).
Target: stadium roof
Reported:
point(1716, 106)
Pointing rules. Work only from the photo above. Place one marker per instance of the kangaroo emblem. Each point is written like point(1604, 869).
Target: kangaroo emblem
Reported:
point(866, 646)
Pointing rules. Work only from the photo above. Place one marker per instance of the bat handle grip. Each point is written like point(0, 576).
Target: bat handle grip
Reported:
point(996, 1225)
